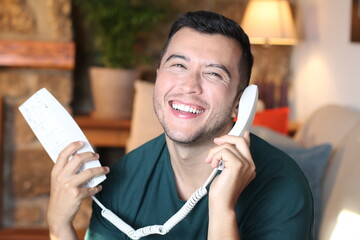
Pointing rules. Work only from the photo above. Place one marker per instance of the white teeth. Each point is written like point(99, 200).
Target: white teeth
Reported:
point(184, 108)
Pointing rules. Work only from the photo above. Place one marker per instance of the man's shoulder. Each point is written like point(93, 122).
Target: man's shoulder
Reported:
point(145, 155)
point(138, 163)
point(273, 163)
point(153, 146)
point(280, 194)
point(261, 149)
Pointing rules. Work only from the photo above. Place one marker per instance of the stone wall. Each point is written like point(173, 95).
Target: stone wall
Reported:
point(26, 165)
point(26, 189)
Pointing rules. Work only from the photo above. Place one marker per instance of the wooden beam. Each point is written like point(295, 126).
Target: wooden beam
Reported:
point(105, 132)
point(31, 234)
point(37, 54)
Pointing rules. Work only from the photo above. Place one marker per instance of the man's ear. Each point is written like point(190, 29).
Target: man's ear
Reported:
point(235, 109)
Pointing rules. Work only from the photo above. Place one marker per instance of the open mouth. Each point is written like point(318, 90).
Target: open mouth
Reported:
point(186, 109)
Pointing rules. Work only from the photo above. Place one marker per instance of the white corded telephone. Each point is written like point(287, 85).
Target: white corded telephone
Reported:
point(55, 129)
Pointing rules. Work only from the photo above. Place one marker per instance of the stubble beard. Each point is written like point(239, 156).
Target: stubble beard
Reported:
point(213, 127)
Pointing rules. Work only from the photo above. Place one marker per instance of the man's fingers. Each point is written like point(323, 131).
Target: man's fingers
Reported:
point(78, 160)
point(241, 143)
point(88, 174)
point(247, 137)
point(225, 155)
point(88, 192)
point(79, 193)
point(66, 153)
point(233, 139)
point(218, 153)
point(94, 190)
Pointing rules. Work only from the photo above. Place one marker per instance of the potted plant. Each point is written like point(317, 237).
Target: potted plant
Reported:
point(118, 29)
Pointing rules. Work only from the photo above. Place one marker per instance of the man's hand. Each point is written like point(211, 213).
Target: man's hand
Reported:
point(66, 189)
point(226, 188)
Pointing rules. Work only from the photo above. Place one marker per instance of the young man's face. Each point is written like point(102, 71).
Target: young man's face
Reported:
point(196, 86)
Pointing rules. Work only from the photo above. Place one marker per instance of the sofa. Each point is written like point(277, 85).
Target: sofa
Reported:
point(326, 146)
point(335, 132)
point(339, 126)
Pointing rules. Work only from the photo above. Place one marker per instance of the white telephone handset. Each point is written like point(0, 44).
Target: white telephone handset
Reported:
point(246, 111)
point(55, 128)
point(246, 114)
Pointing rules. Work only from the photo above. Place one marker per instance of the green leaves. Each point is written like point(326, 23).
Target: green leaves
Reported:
point(116, 26)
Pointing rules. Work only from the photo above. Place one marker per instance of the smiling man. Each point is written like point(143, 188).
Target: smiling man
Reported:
point(260, 194)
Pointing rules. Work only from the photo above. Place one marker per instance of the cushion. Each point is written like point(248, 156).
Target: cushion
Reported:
point(275, 119)
point(312, 162)
point(144, 123)
point(273, 137)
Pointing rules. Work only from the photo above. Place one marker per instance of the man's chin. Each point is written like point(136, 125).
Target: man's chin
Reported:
point(181, 138)
point(191, 136)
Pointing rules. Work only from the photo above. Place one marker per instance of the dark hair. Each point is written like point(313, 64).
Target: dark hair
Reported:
point(213, 23)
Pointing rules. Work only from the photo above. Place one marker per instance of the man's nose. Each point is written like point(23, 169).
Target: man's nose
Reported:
point(192, 83)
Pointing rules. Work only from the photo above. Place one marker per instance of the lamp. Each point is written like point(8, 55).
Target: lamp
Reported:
point(269, 22)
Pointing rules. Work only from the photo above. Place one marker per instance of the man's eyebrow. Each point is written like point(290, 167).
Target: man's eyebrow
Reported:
point(177, 56)
point(222, 67)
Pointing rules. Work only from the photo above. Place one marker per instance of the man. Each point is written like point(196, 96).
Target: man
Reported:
point(260, 194)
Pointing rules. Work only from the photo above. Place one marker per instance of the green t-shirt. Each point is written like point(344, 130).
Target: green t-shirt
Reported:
point(141, 190)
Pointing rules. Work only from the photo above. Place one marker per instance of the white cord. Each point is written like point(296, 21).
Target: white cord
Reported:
point(169, 224)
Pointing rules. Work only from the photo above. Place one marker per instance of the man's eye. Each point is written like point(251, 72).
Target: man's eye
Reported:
point(214, 75)
point(178, 65)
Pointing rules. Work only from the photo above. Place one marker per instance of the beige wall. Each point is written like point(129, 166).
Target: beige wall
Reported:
point(326, 64)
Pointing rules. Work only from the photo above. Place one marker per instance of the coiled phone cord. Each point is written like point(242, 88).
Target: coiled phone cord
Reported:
point(169, 224)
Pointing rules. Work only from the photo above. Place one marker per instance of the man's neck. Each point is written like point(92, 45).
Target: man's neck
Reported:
point(188, 163)
point(189, 166)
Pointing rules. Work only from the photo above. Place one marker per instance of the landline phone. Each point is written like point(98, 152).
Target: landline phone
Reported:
point(55, 129)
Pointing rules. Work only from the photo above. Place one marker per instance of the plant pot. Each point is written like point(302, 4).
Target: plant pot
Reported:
point(112, 92)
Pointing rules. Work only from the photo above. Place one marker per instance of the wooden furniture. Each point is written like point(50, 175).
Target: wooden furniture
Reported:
point(30, 234)
point(37, 54)
point(105, 132)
